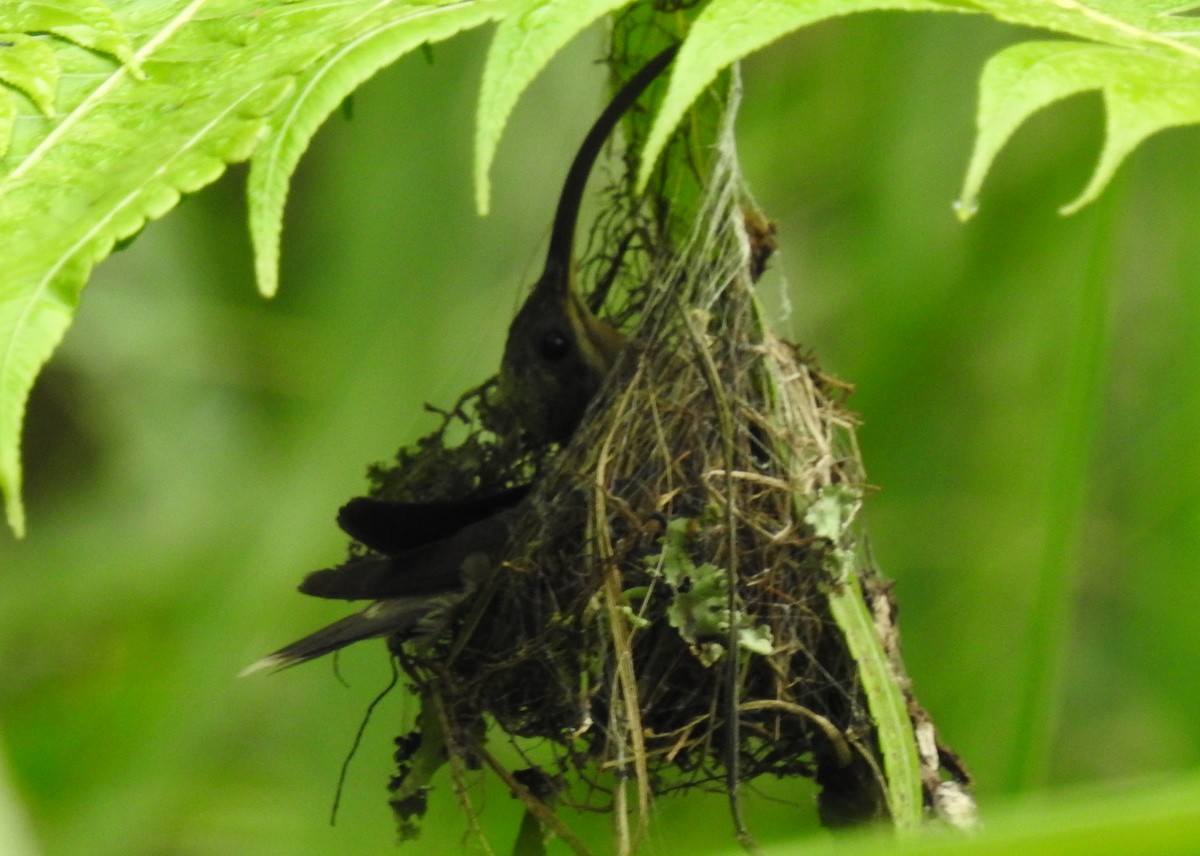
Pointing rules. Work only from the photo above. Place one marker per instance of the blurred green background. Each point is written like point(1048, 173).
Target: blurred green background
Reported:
point(1029, 387)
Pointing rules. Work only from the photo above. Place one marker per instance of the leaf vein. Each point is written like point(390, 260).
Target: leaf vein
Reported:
point(1127, 28)
point(96, 96)
point(37, 295)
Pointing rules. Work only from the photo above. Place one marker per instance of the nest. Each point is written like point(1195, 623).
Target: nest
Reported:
point(661, 621)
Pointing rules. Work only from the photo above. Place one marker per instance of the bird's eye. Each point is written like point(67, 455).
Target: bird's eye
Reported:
point(554, 346)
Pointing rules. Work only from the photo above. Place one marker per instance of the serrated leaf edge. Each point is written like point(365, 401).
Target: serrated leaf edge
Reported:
point(266, 207)
point(694, 70)
point(504, 82)
point(185, 16)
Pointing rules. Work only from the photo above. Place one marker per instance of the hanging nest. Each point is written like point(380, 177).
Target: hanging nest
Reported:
point(661, 621)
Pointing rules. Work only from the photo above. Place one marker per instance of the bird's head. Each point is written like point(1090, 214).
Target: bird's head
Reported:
point(556, 357)
point(558, 352)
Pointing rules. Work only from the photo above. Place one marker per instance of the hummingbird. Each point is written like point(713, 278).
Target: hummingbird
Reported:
point(427, 557)
point(558, 352)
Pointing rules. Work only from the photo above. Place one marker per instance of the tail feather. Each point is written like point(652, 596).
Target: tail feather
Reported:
point(403, 617)
point(413, 617)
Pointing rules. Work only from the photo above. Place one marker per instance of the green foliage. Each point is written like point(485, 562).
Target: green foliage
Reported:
point(27, 64)
point(224, 432)
point(86, 23)
point(110, 112)
point(1153, 819)
point(832, 516)
point(1145, 91)
point(524, 43)
point(215, 75)
point(320, 90)
point(727, 30)
point(1144, 57)
point(117, 151)
point(219, 81)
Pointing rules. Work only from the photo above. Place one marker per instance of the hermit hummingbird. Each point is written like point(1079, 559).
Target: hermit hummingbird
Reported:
point(427, 557)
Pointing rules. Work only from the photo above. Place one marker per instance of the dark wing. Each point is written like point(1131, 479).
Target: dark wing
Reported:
point(425, 570)
point(415, 591)
point(392, 528)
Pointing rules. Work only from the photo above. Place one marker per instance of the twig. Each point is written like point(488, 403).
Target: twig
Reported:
point(540, 810)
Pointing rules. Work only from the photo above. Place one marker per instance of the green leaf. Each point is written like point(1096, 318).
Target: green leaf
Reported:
point(59, 214)
point(728, 30)
point(1155, 817)
point(215, 70)
point(28, 64)
point(87, 23)
point(1143, 93)
point(522, 47)
point(832, 516)
point(410, 790)
point(8, 114)
point(1129, 23)
point(321, 90)
point(756, 640)
point(1145, 62)
point(1144, 55)
point(889, 710)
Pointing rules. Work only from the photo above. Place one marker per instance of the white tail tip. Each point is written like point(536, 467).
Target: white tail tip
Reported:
point(267, 664)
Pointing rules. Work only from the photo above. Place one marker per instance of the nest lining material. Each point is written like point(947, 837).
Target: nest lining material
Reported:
point(672, 565)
